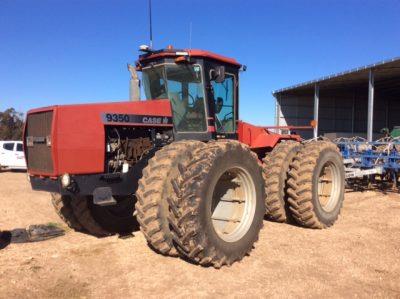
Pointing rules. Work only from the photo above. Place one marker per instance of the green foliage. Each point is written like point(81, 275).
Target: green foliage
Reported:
point(11, 124)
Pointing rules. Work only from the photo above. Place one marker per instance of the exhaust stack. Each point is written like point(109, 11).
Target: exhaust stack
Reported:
point(134, 84)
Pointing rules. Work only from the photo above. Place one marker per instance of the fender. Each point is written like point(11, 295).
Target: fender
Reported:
point(257, 137)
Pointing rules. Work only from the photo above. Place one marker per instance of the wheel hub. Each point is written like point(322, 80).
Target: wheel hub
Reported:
point(328, 192)
point(233, 204)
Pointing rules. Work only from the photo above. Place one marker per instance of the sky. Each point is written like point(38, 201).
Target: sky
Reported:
point(66, 51)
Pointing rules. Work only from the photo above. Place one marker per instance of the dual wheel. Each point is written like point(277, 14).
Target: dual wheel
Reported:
point(304, 183)
point(204, 202)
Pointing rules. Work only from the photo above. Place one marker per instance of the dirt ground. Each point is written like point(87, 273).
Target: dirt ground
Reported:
point(358, 257)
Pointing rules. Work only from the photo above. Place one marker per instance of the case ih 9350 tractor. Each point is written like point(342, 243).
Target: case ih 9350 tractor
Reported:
point(197, 179)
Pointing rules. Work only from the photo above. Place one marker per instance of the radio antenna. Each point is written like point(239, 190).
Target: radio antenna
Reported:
point(190, 36)
point(151, 26)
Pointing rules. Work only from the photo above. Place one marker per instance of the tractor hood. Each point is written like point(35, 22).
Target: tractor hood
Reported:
point(76, 133)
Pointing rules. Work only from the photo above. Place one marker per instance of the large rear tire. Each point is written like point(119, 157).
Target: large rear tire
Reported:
point(220, 205)
point(155, 189)
point(275, 170)
point(316, 185)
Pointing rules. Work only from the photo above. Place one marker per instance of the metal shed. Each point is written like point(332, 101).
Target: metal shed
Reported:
point(358, 102)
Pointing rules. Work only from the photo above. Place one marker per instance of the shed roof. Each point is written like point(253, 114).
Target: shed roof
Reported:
point(384, 71)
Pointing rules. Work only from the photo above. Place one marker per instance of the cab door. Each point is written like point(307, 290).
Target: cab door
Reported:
point(19, 161)
point(224, 94)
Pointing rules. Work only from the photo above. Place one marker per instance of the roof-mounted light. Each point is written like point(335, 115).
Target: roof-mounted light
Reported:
point(144, 48)
point(181, 53)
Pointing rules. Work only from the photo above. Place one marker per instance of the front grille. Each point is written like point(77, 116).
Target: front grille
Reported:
point(38, 152)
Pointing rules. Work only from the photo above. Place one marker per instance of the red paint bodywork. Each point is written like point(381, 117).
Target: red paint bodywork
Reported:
point(258, 137)
point(78, 136)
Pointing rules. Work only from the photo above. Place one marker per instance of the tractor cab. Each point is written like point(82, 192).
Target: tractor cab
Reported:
point(201, 86)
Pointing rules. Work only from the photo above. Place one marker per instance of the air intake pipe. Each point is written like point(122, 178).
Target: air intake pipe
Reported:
point(134, 84)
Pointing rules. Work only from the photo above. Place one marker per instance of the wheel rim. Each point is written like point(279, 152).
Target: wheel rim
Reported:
point(328, 186)
point(233, 204)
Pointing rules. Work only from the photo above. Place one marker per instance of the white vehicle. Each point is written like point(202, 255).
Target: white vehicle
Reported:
point(12, 155)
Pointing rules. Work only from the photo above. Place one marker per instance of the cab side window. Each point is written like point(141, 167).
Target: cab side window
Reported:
point(20, 147)
point(224, 94)
point(8, 146)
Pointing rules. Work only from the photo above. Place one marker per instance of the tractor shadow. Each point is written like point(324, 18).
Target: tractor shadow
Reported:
point(12, 170)
point(289, 221)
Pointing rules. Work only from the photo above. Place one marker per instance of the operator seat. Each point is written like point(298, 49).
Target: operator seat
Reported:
point(179, 107)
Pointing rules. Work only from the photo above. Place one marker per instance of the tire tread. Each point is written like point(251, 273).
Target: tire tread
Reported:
point(300, 188)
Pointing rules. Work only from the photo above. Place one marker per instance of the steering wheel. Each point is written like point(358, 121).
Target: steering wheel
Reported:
point(226, 118)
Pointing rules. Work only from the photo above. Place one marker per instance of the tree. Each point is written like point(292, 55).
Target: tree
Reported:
point(11, 124)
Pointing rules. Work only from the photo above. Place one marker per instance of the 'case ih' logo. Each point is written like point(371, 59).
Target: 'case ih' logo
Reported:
point(155, 120)
point(151, 120)
point(137, 119)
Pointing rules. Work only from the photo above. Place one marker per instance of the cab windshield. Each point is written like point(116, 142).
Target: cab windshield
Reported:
point(182, 84)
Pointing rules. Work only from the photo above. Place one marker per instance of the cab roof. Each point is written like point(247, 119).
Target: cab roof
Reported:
point(163, 53)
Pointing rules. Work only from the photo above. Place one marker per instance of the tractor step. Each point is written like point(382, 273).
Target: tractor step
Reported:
point(102, 196)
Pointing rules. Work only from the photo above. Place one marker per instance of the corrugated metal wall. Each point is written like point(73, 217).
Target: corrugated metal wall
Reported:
point(296, 111)
point(340, 111)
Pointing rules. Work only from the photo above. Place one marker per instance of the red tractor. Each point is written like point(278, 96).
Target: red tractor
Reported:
point(198, 180)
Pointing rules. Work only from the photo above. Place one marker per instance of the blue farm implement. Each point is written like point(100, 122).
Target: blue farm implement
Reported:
point(371, 163)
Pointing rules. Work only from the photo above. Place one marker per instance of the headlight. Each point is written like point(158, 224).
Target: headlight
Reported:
point(65, 180)
point(48, 140)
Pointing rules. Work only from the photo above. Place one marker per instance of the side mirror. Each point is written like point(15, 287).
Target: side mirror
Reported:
point(218, 74)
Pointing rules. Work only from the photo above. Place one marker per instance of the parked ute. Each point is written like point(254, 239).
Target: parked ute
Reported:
point(12, 155)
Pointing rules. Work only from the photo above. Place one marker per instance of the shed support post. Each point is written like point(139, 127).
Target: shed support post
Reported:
point(353, 111)
point(277, 113)
point(387, 113)
point(370, 126)
point(316, 109)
